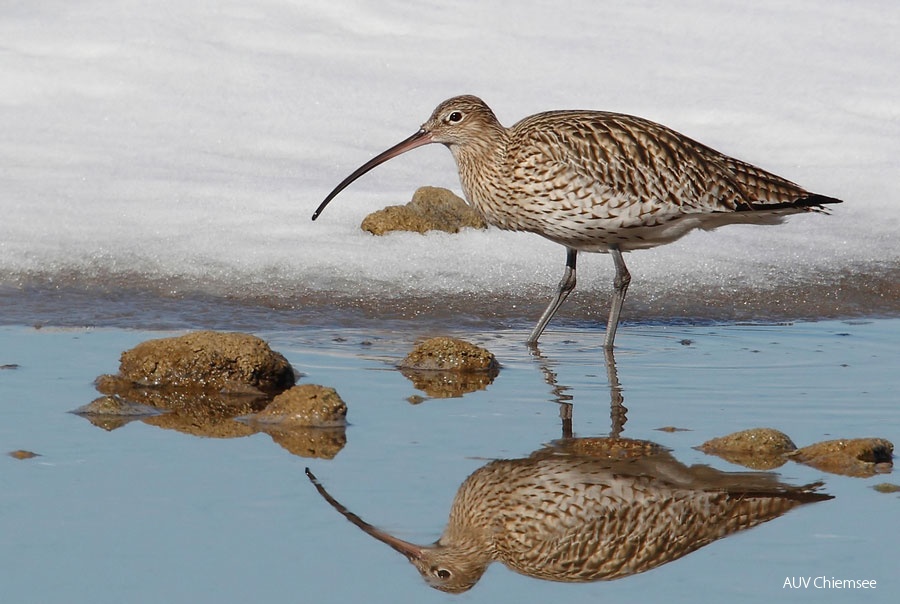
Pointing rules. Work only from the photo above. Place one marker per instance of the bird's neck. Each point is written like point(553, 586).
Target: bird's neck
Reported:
point(480, 164)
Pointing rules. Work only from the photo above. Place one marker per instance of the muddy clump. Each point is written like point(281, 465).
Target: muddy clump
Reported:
point(201, 383)
point(307, 420)
point(445, 367)
point(23, 454)
point(765, 448)
point(202, 380)
point(886, 487)
point(431, 209)
point(859, 457)
point(208, 360)
point(304, 406)
point(449, 354)
point(757, 448)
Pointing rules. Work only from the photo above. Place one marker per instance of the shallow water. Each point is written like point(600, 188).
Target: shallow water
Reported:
point(144, 514)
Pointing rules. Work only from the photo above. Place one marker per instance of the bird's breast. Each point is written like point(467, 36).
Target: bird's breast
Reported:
point(579, 215)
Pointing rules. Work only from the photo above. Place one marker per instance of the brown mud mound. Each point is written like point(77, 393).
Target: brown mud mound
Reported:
point(208, 360)
point(766, 448)
point(849, 457)
point(431, 209)
point(308, 420)
point(757, 448)
point(307, 405)
point(202, 379)
point(445, 367)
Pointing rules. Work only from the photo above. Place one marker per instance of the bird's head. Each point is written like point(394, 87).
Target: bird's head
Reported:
point(452, 568)
point(463, 121)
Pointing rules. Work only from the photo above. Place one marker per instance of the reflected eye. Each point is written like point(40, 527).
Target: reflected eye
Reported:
point(442, 573)
point(455, 117)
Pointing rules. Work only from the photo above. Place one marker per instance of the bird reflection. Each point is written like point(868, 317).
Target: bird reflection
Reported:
point(617, 409)
point(588, 509)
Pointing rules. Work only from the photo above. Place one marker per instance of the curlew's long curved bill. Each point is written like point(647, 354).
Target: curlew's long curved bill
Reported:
point(416, 140)
point(410, 550)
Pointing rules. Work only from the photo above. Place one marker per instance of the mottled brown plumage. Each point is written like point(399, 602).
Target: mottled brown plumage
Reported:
point(596, 181)
point(588, 510)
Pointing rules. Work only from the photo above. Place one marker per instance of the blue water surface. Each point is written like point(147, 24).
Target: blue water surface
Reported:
point(144, 514)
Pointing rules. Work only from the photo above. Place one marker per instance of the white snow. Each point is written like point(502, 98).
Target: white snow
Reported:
point(192, 140)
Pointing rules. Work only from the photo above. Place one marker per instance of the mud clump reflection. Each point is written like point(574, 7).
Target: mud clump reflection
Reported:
point(320, 443)
point(588, 510)
point(445, 367)
point(194, 411)
point(112, 411)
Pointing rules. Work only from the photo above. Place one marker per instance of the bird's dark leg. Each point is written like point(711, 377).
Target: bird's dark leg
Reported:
point(566, 285)
point(623, 278)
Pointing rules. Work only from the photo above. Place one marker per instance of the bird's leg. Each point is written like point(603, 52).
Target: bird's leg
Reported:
point(566, 285)
point(623, 278)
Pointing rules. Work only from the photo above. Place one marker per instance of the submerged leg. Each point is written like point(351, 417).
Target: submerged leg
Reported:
point(566, 285)
point(623, 278)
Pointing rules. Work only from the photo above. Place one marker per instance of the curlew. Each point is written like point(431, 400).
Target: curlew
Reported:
point(596, 181)
point(588, 509)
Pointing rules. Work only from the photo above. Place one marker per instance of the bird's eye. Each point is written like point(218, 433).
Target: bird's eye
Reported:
point(455, 117)
point(442, 573)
